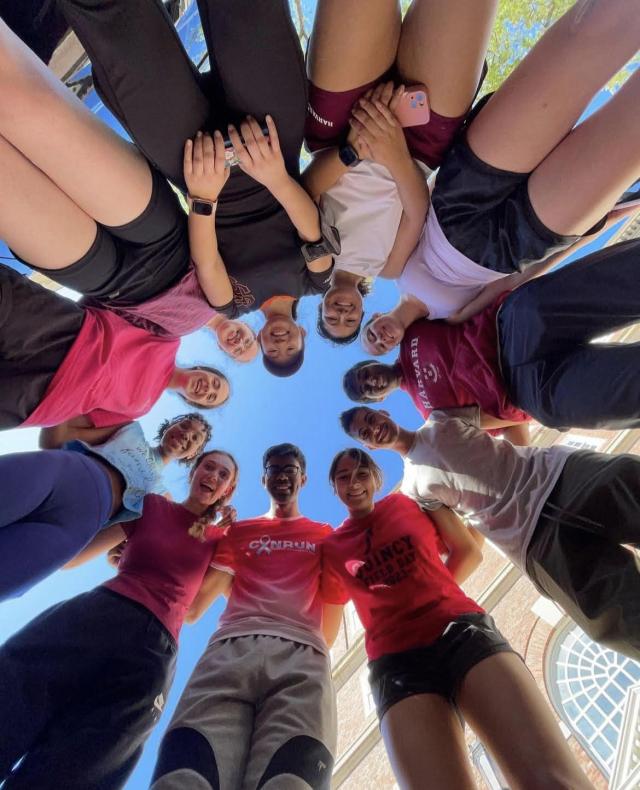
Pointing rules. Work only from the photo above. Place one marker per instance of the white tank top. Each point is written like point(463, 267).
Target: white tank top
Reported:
point(364, 205)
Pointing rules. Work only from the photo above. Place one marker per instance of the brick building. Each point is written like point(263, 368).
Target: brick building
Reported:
point(594, 692)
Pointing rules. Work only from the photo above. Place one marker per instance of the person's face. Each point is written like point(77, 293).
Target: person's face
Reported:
point(383, 333)
point(214, 479)
point(354, 485)
point(237, 340)
point(376, 380)
point(283, 478)
point(375, 429)
point(206, 388)
point(342, 310)
point(184, 439)
point(281, 339)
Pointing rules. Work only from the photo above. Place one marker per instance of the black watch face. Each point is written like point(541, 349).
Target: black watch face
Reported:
point(348, 156)
point(200, 207)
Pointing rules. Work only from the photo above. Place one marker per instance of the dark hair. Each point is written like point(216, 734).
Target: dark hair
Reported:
point(364, 286)
point(347, 417)
point(367, 323)
point(208, 370)
point(363, 459)
point(283, 371)
point(199, 526)
point(166, 424)
point(285, 449)
point(350, 382)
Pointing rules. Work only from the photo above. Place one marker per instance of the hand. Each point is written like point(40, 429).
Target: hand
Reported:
point(260, 157)
point(376, 125)
point(204, 170)
point(114, 554)
point(228, 514)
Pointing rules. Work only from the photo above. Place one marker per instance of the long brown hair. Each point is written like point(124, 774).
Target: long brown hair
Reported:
point(199, 527)
point(362, 459)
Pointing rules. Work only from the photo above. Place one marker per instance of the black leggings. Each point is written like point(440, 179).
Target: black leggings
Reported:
point(144, 75)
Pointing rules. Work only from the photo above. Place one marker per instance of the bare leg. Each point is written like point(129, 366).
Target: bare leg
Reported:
point(443, 46)
point(581, 179)
point(423, 738)
point(37, 220)
point(96, 168)
point(540, 102)
point(502, 703)
point(352, 42)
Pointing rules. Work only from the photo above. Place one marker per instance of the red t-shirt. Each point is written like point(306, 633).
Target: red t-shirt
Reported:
point(275, 563)
point(162, 566)
point(113, 373)
point(449, 365)
point(389, 564)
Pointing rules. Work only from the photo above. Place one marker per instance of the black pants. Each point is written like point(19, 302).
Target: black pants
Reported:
point(144, 75)
point(576, 556)
point(551, 369)
point(81, 688)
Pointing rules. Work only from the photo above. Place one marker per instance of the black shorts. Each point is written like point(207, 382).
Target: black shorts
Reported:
point(438, 668)
point(486, 213)
point(134, 262)
point(37, 330)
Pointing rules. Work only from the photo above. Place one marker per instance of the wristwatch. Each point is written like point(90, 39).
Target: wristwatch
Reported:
point(205, 208)
point(348, 155)
point(327, 244)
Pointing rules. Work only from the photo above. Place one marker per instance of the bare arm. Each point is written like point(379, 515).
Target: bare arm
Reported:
point(488, 422)
point(205, 175)
point(519, 434)
point(215, 583)
point(53, 437)
point(464, 552)
point(323, 172)
point(105, 539)
point(331, 619)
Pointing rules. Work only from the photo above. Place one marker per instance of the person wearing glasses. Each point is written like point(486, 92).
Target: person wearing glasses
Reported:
point(260, 702)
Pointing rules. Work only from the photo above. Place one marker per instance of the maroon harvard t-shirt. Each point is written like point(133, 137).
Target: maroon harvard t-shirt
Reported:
point(389, 563)
point(449, 365)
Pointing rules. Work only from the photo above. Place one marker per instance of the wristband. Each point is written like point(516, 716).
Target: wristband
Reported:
point(327, 244)
point(202, 207)
point(348, 155)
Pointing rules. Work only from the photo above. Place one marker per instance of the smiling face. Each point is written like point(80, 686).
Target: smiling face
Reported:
point(281, 339)
point(183, 439)
point(213, 479)
point(374, 429)
point(342, 310)
point(376, 380)
point(382, 334)
point(283, 478)
point(205, 388)
point(355, 485)
point(237, 340)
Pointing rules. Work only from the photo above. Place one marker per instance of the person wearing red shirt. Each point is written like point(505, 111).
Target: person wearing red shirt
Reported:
point(434, 654)
point(260, 703)
point(83, 685)
point(85, 362)
point(529, 353)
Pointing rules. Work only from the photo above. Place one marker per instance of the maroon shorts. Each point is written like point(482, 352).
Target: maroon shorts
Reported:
point(328, 115)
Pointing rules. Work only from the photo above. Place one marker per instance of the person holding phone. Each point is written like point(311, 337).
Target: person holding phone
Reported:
point(434, 654)
point(55, 500)
point(366, 69)
point(262, 226)
point(526, 180)
point(83, 684)
point(87, 210)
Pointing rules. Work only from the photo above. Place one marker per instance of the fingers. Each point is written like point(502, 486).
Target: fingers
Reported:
point(386, 113)
point(219, 153)
point(238, 146)
point(198, 156)
point(397, 95)
point(274, 140)
point(208, 155)
point(372, 118)
point(187, 165)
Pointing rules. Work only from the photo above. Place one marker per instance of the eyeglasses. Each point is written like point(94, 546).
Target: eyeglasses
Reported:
point(290, 469)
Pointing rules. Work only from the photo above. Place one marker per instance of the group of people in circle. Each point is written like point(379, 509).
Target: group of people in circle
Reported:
point(464, 211)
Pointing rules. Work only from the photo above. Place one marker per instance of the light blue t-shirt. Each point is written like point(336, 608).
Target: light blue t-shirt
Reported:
point(139, 463)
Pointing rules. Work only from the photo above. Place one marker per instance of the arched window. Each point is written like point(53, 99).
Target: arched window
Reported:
point(588, 686)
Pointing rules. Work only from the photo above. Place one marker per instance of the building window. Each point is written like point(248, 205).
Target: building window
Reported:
point(368, 704)
point(588, 685)
point(354, 626)
point(487, 767)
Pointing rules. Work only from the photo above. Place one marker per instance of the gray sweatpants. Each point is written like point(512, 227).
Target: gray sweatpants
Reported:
point(258, 712)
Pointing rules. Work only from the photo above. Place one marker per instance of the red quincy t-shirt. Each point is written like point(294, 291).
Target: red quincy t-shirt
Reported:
point(449, 365)
point(162, 566)
point(113, 373)
point(389, 563)
point(275, 563)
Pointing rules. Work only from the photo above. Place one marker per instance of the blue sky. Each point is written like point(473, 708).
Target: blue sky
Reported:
point(263, 410)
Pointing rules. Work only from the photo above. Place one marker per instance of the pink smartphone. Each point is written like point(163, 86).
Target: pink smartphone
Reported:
point(413, 109)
